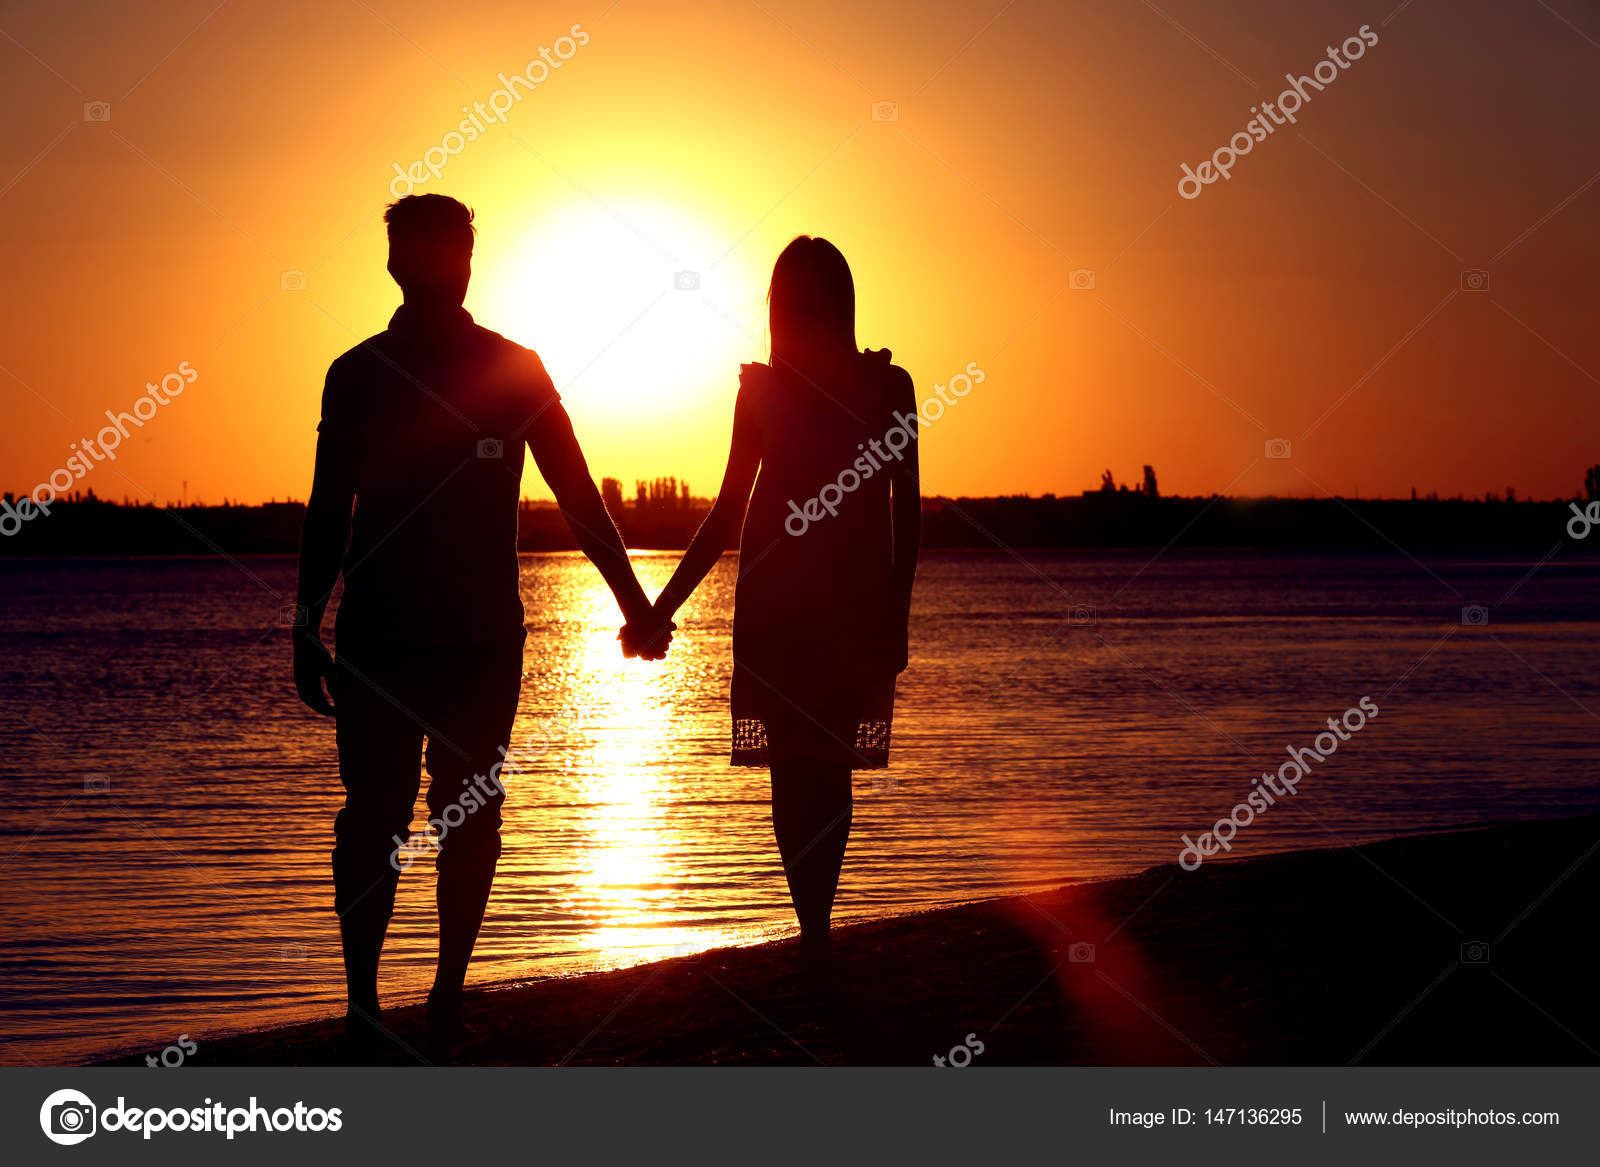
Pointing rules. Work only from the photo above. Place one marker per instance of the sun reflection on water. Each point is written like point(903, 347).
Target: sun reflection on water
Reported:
point(627, 871)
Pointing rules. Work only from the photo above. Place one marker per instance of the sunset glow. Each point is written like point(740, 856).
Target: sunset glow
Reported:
point(624, 300)
point(966, 160)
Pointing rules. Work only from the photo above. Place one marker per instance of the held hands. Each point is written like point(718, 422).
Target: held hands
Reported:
point(647, 635)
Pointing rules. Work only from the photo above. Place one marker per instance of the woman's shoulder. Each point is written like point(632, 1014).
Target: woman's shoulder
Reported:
point(881, 361)
point(879, 365)
point(754, 375)
point(753, 403)
point(874, 367)
point(755, 387)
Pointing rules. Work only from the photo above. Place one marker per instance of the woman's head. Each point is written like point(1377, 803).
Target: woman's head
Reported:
point(812, 301)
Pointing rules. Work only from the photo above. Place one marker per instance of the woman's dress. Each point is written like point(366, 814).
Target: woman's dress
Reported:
point(819, 633)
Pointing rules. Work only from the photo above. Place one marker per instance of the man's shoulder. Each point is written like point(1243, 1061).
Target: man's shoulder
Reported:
point(358, 357)
point(515, 360)
point(503, 346)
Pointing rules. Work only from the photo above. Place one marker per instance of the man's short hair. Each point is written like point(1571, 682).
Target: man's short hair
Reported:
point(430, 219)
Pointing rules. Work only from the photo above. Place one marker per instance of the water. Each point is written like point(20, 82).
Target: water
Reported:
point(1066, 716)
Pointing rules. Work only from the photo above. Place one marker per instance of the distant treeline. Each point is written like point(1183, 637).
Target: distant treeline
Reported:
point(659, 517)
point(1130, 519)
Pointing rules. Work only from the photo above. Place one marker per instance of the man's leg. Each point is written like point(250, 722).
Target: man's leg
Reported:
point(380, 751)
point(466, 753)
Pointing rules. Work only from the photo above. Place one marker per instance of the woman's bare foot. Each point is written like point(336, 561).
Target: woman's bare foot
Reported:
point(816, 955)
point(445, 1026)
point(362, 1036)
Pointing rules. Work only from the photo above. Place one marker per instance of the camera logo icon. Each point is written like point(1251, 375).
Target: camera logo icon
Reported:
point(1081, 279)
point(1277, 448)
point(1081, 953)
point(292, 281)
point(1474, 279)
point(67, 1117)
point(491, 448)
point(96, 783)
point(686, 281)
point(685, 949)
point(1474, 616)
point(293, 616)
point(886, 111)
point(97, 111)
point(1475, 952)
point(1082, 616)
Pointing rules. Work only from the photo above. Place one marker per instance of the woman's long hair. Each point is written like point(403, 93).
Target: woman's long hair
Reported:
point(811, 305)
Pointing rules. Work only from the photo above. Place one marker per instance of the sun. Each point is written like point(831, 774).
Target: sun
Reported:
point(638, 310)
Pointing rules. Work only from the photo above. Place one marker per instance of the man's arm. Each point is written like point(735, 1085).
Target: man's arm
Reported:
point(322, 546)
point(559, 458)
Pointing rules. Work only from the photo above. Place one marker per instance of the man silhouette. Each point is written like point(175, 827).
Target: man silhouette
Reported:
point(418, 471)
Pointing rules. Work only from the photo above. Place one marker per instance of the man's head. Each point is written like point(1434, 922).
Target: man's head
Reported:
point(430, 247)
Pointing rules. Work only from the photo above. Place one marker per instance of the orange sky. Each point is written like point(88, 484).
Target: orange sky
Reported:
point(1316, 295)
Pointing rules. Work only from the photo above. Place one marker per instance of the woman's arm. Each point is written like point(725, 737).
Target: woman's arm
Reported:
point(906, 491)
point(726, 517)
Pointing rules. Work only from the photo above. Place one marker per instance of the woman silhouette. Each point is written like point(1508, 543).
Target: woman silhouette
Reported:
point(826, 560)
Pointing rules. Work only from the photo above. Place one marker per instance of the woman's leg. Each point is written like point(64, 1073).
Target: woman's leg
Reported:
point(811, 809)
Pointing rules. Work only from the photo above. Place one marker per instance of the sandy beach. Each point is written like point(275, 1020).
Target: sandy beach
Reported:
point(1470, 947)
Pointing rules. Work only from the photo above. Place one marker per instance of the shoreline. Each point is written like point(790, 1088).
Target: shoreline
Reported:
point(1466, 947)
